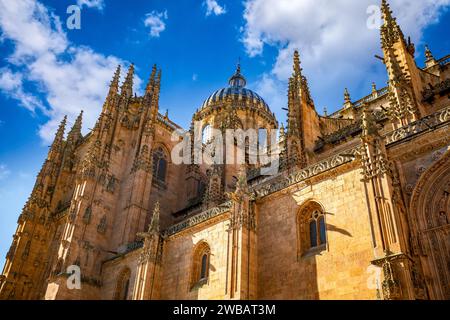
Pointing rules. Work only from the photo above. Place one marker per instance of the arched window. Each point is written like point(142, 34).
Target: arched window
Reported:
point(159, 165)
point(311, 228)
point(200, 264)
point(206, 134)
point(204, 268)
point(123, 285)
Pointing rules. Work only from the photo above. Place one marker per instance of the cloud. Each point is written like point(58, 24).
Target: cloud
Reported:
point(212, 7)
point(98, 4)
point(68, 77)
point(155, 20)
point(194, 77)
point(12, 84)
point(335, 44)
point(273, 91)
point(4, 172)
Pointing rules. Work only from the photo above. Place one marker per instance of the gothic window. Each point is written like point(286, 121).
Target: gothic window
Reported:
point(311, 228)
point(123, 285)
point(204, 267)
point(206, 134)
point(201, 265)
point(159, 165)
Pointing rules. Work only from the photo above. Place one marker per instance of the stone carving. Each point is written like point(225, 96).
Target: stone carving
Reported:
point(197, 219)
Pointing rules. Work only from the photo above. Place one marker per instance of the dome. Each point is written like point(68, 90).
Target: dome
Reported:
point(237, 92)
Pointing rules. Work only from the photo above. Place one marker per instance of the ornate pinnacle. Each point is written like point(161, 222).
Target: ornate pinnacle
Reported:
point(156, 90)
point(75, 133)
point(114, 87)
point(151, 81)
point(430, 60)
point(59, 138)
point(390, 31)
point(297, 68)
point(347, 98)
point(374, 87)
point(127, 86)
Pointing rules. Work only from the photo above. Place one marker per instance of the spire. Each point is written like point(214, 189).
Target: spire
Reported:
point(430, 60)
point(127, 86)
point(293, 125)
point(59, 139)
point(114, 87)
point(73, 139)
point(374, 88)
point(297, 64)
point(75, 133)
point(390, 30)
point(156, 91)
point(347, 98)
point(151, 81)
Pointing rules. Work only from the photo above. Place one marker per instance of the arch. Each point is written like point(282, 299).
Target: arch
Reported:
point(160, 160)
point(123, 284)
point(200, 264)
point(430, 210)
point(311, 228)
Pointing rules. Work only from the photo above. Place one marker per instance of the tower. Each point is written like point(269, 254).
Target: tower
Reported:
point(303, 121)
point(405, 85)
point(27, 261)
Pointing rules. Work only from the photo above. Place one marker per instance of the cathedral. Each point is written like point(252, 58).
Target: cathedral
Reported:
point(358, 208)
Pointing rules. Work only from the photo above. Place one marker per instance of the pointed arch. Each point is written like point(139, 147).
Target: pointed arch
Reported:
point(311, 228)
point(123, 284)
point(160, 161)
point(200, 263)
point(430, 210)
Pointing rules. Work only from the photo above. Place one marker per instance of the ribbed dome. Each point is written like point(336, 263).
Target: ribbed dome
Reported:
point(236, 91)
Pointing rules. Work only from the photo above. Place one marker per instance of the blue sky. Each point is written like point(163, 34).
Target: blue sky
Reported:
point(47, 70)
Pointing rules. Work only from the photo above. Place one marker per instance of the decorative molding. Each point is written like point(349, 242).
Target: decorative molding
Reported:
point(428, 123)
point(197, 219)
point(307, 173)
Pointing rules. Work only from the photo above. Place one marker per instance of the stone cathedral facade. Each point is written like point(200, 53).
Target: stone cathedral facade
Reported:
point(360, 208)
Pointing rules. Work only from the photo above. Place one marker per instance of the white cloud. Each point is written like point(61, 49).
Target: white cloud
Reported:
point(272, 90)
point(155, 21)
point(98, 4)
point(212, 7)
point(69, 77)
point(12, 84)
point(335, 44)
point(4, 172)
